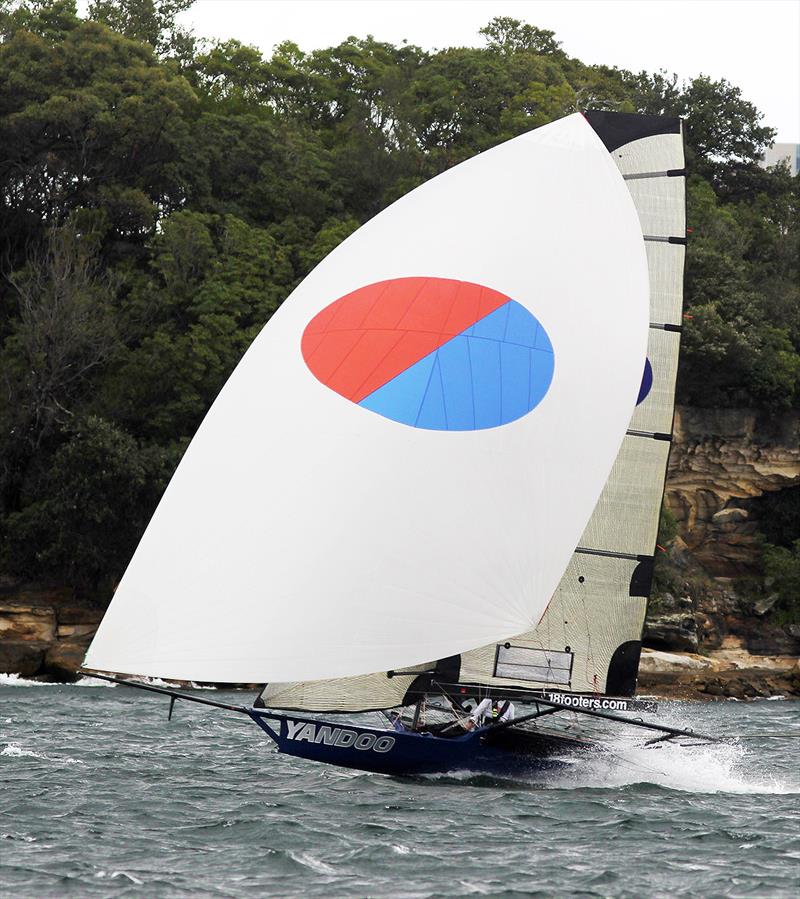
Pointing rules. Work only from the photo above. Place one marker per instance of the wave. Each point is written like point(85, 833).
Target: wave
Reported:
point(622, 758)
point(170, 685)
point(114, 874)
point(307, 860)
point(16, 680)
point(14, 750)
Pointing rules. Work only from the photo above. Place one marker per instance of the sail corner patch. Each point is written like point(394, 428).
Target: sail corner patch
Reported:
point(432, 353)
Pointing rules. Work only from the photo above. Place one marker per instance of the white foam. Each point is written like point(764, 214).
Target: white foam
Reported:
point(16, 680)
point(707, 768)
point(114, 874)
point(170, 685)
point(308, 861)
point(14, 750)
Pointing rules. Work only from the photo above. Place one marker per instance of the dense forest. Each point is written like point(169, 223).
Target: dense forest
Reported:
point(161, 196)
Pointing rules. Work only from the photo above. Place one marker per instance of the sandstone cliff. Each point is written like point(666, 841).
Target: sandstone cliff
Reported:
point(723, 463)
point(44, 631)
point(720, 461)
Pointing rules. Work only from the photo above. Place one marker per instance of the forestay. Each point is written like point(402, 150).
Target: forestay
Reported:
point(306, 535)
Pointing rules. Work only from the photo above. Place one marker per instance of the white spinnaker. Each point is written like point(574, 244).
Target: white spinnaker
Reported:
point(303, 537)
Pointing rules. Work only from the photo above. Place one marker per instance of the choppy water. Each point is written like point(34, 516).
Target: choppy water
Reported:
point(102, 797)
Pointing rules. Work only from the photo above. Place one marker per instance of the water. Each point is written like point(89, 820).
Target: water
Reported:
point(102, 797)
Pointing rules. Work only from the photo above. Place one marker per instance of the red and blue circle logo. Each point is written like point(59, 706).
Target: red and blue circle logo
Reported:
point(432, 353)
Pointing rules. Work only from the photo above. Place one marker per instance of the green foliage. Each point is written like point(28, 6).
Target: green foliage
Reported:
point(214, 281)
point(782, 565)
point(82, 517)
point(721, 126)
point(508, 35)
point(742, 332)
point(62, 334)
point(667, 527)
point(160, 199)
point(666, 578)
point(149, 21)
point(88, 121)
point(779, 516)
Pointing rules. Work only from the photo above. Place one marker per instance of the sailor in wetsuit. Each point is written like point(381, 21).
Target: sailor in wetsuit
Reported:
point(490, 711)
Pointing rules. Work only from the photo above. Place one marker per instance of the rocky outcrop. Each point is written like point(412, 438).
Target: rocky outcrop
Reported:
point(709, 614)
point(720, 461)
point(673, 626)
point(27, 629)
point(44, 631)
point(722, 464)
point(730, 673)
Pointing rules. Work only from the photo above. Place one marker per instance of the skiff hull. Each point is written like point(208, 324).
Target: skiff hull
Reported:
point(403, 752)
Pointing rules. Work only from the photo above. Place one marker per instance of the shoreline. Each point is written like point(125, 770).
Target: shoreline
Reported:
point(729, 673)
point(45, 632)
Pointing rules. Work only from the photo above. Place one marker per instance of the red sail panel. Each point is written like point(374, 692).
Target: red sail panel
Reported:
point(367, 337)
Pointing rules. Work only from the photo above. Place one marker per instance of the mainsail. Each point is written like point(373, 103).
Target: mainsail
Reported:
point(313, 531)
point(589, 638)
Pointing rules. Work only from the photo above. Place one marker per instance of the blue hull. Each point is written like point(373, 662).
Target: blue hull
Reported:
point(403, 752)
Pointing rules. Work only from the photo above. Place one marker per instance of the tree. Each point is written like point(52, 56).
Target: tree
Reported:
point(721, 126)
point(65, 330)
point(507, 35)
point(214, 283)
point(149, 21)
point(83, 516)
point(782, 566)
point(88, 120)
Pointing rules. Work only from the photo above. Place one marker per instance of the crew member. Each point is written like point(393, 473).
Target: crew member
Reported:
point(490, 711)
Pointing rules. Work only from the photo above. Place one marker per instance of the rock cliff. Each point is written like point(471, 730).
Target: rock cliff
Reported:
point(44, 631)
point(722, 465)
point(721, 460)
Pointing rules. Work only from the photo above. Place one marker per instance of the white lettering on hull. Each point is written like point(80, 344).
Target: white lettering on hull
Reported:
point(302, 731)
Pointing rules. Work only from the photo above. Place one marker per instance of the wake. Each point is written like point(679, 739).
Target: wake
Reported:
point(709, 768)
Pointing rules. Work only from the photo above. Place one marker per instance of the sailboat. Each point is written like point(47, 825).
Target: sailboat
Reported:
point(436, 475)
